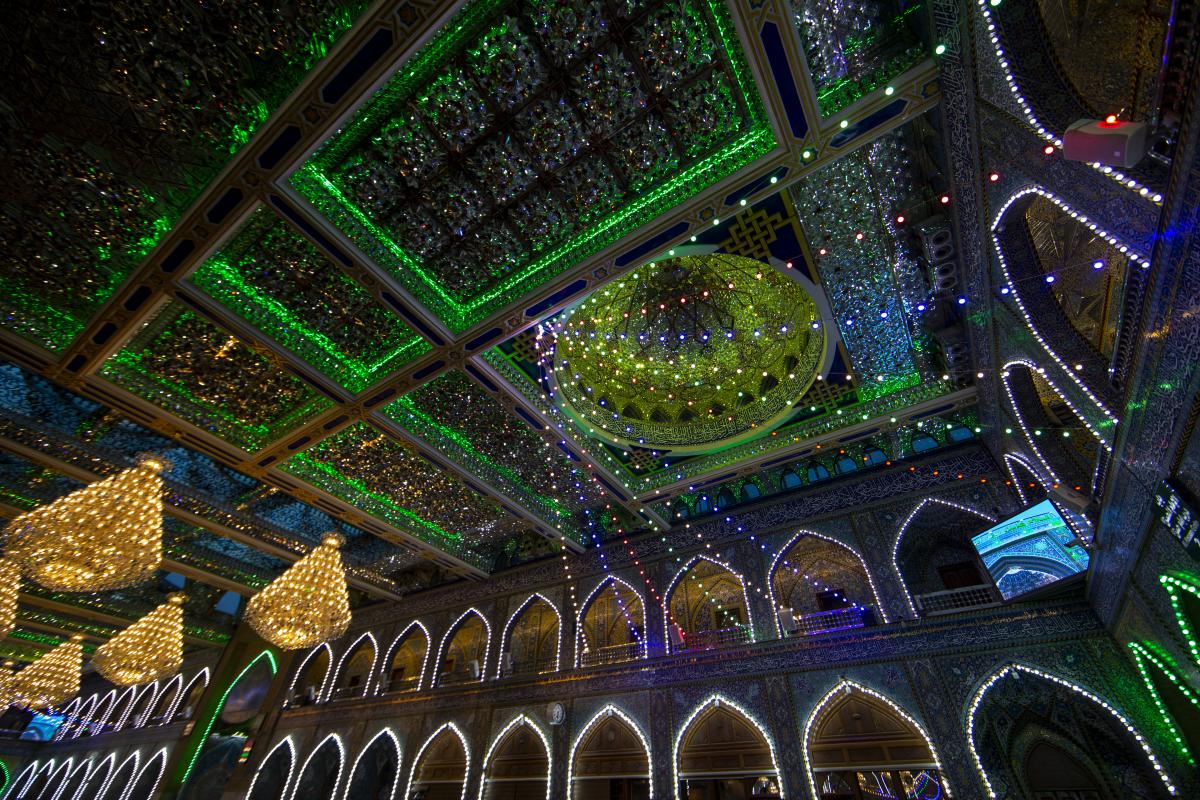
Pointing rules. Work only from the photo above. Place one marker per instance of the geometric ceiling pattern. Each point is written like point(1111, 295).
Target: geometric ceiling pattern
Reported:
point(330, 306)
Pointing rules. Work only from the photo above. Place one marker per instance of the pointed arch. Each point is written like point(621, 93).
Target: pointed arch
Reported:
point(104, 710)
point(118, 780)
point(350, 653)
point(1013, 670)
point(70, 786)
point(141, 708)
point(1015, 458)
point(36, 782)
point(202, 677)
point(1184, 591)
point(719, 703)
point(526, 604)
point(585, 606)
point(144, 787)
point(384, 737)
point(843, 688)
point(501, 740)
point(96, 778)
point(58, 776)
point(669, 593)
point(22, 781)
point(167, 698)
point(1178, 705)
point(904, 528)
point(452, 632)
point(328, 748)
point(775, 562)
point(123, 717)
point(386, 674)
point(609, 711)
point(302, 671)
point(280, 759)
point(69, 721)
point(448, 728)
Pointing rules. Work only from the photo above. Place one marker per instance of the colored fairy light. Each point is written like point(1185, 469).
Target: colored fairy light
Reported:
point(148, 650)
point(1048, 149)
point(1175, 585)
point(307, 604)
point(940, 49)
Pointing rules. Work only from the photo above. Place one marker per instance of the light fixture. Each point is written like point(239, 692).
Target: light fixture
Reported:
point(107, 535)
point(7, 678)
point(148, 650)
point(10, 586)
point(307, 604)
point(52, 679)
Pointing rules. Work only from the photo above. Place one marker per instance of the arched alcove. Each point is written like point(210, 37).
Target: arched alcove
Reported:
point(531, 641)
point(353, 675)
point(167, 699)
point(405, 667)
point(859, 746)
point(722, 752)
point(271, 779)
point(1048, 770)
point(97, 778)
point(1184, 593)
point(1027, 483)
point(70, 714)
point(610, 760)
point(1176, 700)
point(464, 650)
point(440, 769)
point(148, 777)
point(938, 566)
point(1018, 706)
point(120, 779)
point(189, 699)
point(1066, 447)
point(376, 771)
point(309, 681)
point(46, 781)
point(318, 778)
point(612, 625)
point(517, 765)
point(74, 782)
point(818, 584)
point(146, 696)
point(99, 718)
point(707, 607)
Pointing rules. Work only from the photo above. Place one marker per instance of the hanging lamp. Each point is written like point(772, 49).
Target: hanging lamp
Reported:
point(308, 604)
point(107, 535)
point(53, 678)
point(149, 649)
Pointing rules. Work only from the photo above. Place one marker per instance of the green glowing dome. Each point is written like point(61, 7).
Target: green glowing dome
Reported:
point(688, 354)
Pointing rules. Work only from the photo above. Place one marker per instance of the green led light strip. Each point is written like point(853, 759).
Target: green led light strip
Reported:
point(1174, 584)
point(198, 742)
point(1143, 654)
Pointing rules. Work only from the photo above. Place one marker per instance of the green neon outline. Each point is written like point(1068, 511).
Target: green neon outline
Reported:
point(1173, 584)
point(1149, 652)
point(220, 705)
point(7, 777)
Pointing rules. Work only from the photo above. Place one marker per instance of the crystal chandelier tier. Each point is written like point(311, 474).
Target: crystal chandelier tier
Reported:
point(7, 678)
point(307, 604)
point(107, 535)
point(149, 649)
point(52, 679)
point(10, 587)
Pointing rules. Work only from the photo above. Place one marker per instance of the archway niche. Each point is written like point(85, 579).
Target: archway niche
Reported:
point(101, 715)
point(187, 704)
point(120, 780)
point(1051, 427)
point(612, 626)
point(310, 680)
point(73, 783)
point(441, 768)
point(940, 568)
point(860, 748)
point(532, 644)
point(147, 694)
point(610, 761)
point(707, 608)
point(377, 770)
point(519, 767)
point(464, 652)
point(1090, 748)
point(45, 781)
point(319, 777)
point(1027, 482)
point(818, 586)
point(407, 664)
point(724, 756)
point(273, 775)
point(96, 778)
point(147, 781)
point(166, 698)
point(354, 671)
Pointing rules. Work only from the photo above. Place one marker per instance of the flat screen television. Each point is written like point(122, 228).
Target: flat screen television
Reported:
point(1030, 550)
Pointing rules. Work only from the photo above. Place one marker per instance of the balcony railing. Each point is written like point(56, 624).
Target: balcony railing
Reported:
point(711, 640)
point(951, 600)
point(611, 654)
point(834, 620)
point(406, 684)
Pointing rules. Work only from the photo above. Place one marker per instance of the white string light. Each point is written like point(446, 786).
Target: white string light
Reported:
point(1026, 109)
point(153, 690)
point(71, 708)
point(1009, 459)
point(135, 757)
point(30, 771)
point(385, 669)
point(608, 580)
point(161, 758)
point(447, 638)
point(100, 717)
point(337, 781)
point(683, 571)
point(520, 610)
point(1012, 669)
point(386, 732)
point(848, 686)
point(719, 700)
point(287, 779)
point(349, 651)
point(107, 764)
point(65, 769)
point(303, 668)
point(791, 542)
point(487, 758)
point(86, 768)
point(904, 528)
point(597, 718)
point(178, 682)
point(449, 726)
point(1041, 372)
point(203, 676)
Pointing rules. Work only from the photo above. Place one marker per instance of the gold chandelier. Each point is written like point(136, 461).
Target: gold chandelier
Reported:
point(53, 678)
point(7, 677)
point(104, 536)
point(147, 650)
point(10, 587)
point(307, 604)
